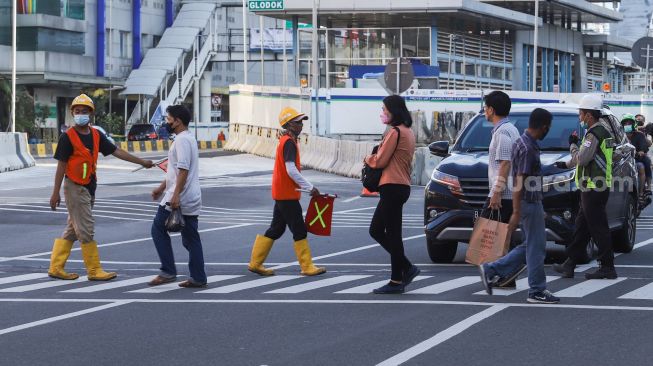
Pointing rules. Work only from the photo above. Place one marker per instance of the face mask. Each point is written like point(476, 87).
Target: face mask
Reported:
point(385, 119)
point(81, 119)
point(583, 124)
point(169, 128)
point(628, 128)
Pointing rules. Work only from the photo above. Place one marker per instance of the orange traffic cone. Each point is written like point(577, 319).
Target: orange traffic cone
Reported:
point(367, 193)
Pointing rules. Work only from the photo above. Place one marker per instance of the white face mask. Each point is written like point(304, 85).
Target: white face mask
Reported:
point(81, 119)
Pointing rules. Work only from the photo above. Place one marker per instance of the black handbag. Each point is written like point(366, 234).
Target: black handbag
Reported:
point(175, 222)
point(371, 177)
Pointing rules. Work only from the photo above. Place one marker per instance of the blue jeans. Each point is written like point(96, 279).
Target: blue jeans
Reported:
point(190, 239)
point(532, 251)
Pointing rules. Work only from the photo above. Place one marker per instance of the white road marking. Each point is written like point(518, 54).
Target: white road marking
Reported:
point(352, 199)
point(25, 277)
point(63, 317)
point(522, 285)
point(175, 285)
point(441, 287)
point(442, 336)
point(313, 285)
point(111, 285)
point(356, 209)
point(368, 288)
point(587, 287)
point(642, 293)
point(248, 285)
point(39, 286)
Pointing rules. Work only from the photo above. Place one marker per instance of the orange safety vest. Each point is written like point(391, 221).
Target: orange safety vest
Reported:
point(283, 187)
point(81, 164)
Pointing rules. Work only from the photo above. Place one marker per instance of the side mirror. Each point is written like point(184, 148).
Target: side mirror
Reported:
point(439, 148)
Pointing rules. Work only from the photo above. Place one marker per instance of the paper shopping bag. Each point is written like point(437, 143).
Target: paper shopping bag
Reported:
point(319, 214)
point(489, 242)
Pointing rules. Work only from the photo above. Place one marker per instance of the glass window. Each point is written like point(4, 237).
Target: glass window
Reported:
point(477, 136)
point(125, 44)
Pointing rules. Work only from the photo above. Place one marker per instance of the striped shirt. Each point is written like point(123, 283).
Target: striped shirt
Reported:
point(504, 136)
point(526, 162)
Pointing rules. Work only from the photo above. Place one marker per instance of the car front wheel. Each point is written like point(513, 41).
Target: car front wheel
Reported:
point(441, 251)
point(623, 240)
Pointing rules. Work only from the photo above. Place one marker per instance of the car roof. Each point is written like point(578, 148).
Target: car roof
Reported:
point(551, 107)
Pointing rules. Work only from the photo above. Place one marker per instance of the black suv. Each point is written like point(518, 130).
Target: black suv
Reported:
point(459, 184)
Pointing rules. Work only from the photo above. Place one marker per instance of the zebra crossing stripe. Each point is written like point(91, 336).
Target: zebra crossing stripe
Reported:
point(175, 285)
point(368, 288)
point(439, 288)
point(522, 285)
point(248, 285)
point(39, 286)
point(642, 293)
point(587, 287)
point(110, 285)
point(316, 284)
point(25, 277)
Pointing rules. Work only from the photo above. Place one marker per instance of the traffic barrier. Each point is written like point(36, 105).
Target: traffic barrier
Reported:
point(47, 150)
point(418, 165)
point(430, 162)
point(14, 152)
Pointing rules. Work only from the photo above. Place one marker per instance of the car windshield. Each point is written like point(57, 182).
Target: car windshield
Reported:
point(141, 129)
point(477, 135)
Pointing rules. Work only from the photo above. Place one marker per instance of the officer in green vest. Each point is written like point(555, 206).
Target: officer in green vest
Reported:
point(593, 162)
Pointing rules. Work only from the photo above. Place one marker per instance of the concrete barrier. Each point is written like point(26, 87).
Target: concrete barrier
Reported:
point(47, 150)
point(14, 152)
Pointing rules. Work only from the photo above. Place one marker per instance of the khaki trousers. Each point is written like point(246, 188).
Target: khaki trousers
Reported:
point(81, 225)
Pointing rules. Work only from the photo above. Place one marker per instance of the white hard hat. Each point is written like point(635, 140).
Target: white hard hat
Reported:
point(592, 102)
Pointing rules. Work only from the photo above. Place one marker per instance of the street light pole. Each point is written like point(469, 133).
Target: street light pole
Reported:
point(245, 41)
point(14, 49)
point(536, 26)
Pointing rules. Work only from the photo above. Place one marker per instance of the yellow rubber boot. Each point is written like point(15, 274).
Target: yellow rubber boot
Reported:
point(305, 260)
point(60, 253)
point(92, 262)
point(260, 251)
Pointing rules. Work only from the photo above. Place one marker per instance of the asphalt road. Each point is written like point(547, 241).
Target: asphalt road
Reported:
point(243, 319)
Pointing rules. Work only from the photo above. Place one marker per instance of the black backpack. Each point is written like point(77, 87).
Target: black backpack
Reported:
point(371, 177)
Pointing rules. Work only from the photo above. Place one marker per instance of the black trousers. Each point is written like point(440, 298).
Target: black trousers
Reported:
point(501, 215)
point(386, 226)
point(287, 213)
point(592, 222)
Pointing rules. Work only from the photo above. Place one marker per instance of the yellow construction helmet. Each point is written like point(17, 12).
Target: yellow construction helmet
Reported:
point(288, 114)
point(83, 99)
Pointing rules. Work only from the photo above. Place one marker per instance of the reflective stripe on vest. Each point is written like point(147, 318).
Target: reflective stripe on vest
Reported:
point(82, 165)
point(600, 168)
point(283, 187)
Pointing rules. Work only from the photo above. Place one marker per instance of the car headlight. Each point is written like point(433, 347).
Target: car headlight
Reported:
point(561, 178)
point(447, 180)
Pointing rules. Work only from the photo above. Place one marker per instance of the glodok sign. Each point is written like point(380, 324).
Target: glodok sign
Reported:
point(266, 4)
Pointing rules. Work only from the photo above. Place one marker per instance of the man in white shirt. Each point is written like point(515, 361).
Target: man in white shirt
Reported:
point(180, 190)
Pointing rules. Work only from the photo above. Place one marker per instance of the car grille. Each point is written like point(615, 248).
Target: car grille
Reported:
point(475, 191)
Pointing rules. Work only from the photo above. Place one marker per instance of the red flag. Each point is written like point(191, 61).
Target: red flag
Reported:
point(163, 165)
point(319, 214)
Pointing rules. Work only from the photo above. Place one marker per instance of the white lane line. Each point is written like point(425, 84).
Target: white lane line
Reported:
point(290, 264)
point(441, 337)
point(368, 288)
point(175, 285)
point(439, 288)
point(352, 199)
point(62, 317)
point(111, 285)
point(521, 304)
point(587, 287)
point(356, 209)
point(124, 242)
point(313, 285)
point(248, 285)
point(25, 277)
point(522, 285)
point(39, 286)
point(642, 293)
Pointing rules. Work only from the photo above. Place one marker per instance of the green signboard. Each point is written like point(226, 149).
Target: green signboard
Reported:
point(263, 5)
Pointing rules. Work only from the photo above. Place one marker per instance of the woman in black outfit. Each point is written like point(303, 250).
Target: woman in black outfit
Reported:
point(395, 157)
